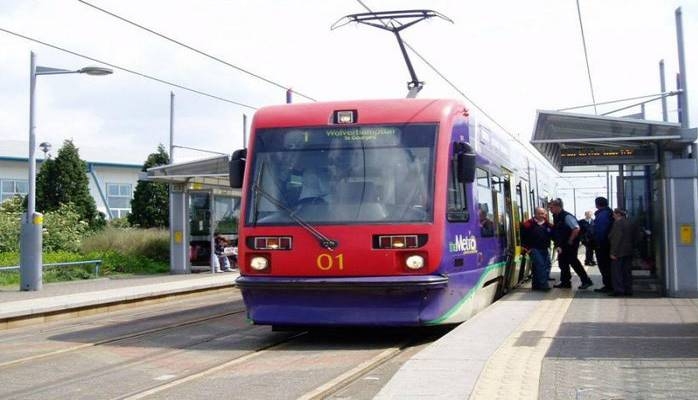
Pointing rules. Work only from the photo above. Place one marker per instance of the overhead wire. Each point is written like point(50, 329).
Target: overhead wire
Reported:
point(189, 47)
point(586, 56)
point(454, 87)
point(131, 71)
point(603, 103)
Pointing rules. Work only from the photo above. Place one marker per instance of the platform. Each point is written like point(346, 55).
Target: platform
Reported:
point(58, 299)
point(561, 344)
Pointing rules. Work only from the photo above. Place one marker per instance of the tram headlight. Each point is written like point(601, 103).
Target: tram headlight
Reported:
point(259, 263)
point(414, 262)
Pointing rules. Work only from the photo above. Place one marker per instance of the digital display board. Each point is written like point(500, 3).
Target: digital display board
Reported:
point(597, 155)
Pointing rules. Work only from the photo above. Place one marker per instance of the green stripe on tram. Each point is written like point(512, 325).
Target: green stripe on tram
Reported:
point(468, 295)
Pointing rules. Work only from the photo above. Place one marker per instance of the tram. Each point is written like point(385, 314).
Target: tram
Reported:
point(397, 212)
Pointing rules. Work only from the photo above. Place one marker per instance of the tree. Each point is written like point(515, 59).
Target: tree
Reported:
point(64, 181)
point(150, 204)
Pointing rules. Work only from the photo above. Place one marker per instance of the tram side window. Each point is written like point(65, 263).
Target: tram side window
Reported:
point(485, 203)
point(457, 201)
point(500, 205)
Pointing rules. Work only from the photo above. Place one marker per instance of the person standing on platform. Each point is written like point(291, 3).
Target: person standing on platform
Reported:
point(565, 236)
point(535, 238)
point(219, 261)
point(621, 239)
point(587, 237)
point(603, 221)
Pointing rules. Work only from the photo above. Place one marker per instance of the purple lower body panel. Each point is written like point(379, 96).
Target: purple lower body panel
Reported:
point(359, 301)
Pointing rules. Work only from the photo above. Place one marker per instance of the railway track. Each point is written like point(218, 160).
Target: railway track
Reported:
point(117, 339)
point(178, 355)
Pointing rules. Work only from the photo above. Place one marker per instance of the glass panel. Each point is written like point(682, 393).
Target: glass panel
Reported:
point(338, 175)
point(119, 202)
point(112, 190)
point(226, 214)
point(457, 207)
point(200, 214)
point(485, 204)
point(8, 186)
point(21, 187)
point(125, 190)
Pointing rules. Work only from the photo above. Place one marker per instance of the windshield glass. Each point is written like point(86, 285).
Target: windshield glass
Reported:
point(357, 174)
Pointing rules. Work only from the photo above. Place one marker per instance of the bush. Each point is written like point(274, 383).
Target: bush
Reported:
point(122, 250)
point(114, 262)
point(119, 223)
point(63, 229)
point(149, 243)
point(10, 222)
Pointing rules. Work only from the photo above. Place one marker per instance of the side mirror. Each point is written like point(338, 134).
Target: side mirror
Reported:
point(237, 168)
point(466, 167)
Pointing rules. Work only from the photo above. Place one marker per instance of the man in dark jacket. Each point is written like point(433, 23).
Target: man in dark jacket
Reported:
point(535, 238)
point(565, 232)
point(603, 221)
point(621, 237)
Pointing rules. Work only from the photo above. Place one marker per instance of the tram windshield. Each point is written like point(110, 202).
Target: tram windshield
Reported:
point(343, 175)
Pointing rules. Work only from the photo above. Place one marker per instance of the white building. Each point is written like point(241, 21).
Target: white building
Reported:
point(111, 184)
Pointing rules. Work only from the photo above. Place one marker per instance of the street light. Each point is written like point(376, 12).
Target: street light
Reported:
point(30, 256)
point(45, 147)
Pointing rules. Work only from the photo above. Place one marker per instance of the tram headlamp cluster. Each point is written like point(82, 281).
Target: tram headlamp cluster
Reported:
point(398, 242)
point(271, 243)
point(414, 262)
point(259, 263)
point(345, 117)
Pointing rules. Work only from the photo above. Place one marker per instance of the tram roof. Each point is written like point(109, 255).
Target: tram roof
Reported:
point(584, 143)
point(368, 112)
point(209, 172)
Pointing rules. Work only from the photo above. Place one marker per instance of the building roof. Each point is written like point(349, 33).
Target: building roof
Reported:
point(93, 163)
point(582, 142)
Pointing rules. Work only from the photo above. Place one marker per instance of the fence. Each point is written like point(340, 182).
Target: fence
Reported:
point(97, 264)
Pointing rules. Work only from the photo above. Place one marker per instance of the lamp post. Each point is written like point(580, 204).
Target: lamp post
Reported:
point(30, 257)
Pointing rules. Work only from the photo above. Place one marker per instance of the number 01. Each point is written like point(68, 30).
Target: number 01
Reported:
point(326, 262)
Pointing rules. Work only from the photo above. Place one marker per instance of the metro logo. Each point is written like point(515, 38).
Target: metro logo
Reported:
point(465, 245)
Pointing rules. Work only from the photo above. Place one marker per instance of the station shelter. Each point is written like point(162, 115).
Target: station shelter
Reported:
point(657, 184)
point(202, 205)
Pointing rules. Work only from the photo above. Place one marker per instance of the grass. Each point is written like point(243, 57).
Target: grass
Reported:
point(123, 251)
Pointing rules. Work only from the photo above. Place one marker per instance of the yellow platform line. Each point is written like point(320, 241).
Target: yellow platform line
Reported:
point(513, 371)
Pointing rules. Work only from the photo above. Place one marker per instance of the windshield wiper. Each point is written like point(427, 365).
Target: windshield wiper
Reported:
point(324, 241)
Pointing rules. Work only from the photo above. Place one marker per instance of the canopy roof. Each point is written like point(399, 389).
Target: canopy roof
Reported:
point(211, 172)
point(583, 142)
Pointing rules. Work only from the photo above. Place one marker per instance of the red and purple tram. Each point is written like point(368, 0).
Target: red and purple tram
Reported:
point(377, 212)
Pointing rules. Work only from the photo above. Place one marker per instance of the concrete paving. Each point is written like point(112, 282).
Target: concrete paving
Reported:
point(18, 307)
point(561, 344)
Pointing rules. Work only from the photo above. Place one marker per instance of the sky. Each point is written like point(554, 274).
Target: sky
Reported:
point(509, 57)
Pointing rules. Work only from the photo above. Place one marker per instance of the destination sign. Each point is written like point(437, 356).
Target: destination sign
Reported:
point(362, 133)
point(646, 154)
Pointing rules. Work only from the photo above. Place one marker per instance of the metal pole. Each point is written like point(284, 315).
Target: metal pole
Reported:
point(172, 96)
point(682, 71)
point(30, 257)
point(662, 84)
point(620, 188)
point(574, 200)
point(175, 244)
point(608, 184)
point(244, 131)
